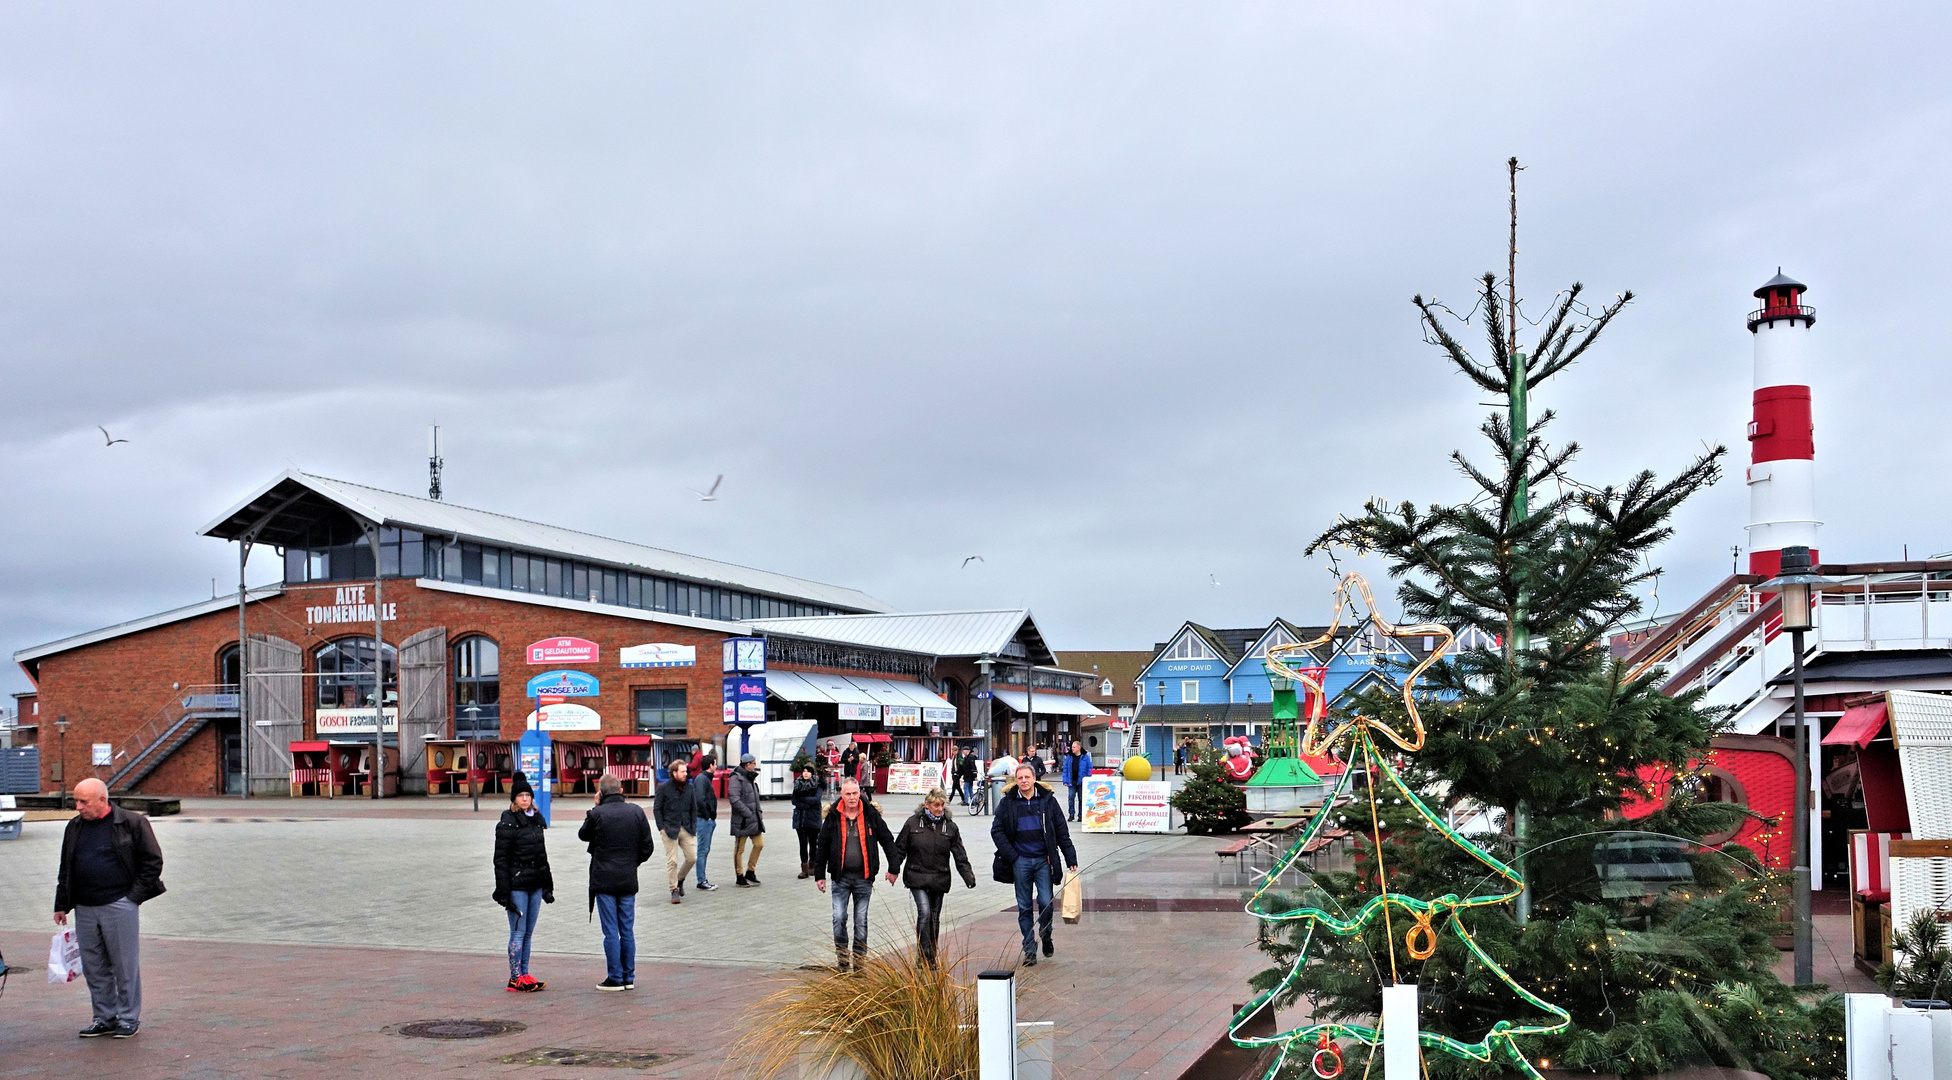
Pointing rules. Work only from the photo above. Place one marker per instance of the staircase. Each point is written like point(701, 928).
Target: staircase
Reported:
point(174, 724)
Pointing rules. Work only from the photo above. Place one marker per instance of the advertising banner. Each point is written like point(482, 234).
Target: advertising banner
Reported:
point(658, 654)
point(939, 716)
point(902, 715)
point(351, 721)
point(1101, 804)
point(562, 684)
point(745, 699)
point(1143, 806)
point(914, 778)
point(851, 711)
point(565, 717)
point(563, 650)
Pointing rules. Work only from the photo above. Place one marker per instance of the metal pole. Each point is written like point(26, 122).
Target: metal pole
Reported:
point(996, 1025)
point(243, 664)
point(1801, 926)
point(379, 669)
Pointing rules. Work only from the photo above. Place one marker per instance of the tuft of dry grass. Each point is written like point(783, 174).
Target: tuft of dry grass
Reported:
point(896, 1017)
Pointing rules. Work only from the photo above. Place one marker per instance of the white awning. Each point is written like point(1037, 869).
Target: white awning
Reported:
point(1048, 703)
point(828, 689)
point(789, 686)
point(835, 688)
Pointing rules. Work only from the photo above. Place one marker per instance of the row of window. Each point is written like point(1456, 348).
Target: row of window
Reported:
point(408, 553)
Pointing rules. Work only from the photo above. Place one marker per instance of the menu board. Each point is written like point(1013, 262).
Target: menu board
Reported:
point(1144, 806)
point(1101, 804)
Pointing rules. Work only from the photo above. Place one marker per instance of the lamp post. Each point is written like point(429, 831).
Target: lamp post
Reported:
point(61, 725)
point(1796, 586)
point(1165, 731)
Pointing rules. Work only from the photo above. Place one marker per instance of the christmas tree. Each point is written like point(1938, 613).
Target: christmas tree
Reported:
point(1207, 801)
point(1546, 736)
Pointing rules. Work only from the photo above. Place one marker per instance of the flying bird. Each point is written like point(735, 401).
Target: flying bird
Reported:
point(709, 496)
point(1213, 581)
point(105, 435)
point(971, 559)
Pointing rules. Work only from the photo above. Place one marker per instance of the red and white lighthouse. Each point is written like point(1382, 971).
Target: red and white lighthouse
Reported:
point(1782, 442)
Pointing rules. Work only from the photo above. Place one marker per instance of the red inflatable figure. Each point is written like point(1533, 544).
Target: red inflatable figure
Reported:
point(1240, 758)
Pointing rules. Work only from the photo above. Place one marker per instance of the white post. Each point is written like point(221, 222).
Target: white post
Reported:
point(1401, 1059)
point(1867, 1046)
point(996, 1025)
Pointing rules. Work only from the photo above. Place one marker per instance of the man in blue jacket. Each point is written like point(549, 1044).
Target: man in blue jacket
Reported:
point(1030, 834)
point(1077, 766)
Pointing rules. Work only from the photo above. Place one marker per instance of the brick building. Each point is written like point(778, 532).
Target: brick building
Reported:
point(456, 597)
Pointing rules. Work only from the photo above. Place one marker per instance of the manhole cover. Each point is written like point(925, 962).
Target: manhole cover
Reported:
point(460, 1029)
point(588, 1059)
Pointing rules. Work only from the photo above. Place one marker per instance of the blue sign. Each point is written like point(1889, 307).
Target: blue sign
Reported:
point(745, 699)
point(533, 754)
point(562, 684)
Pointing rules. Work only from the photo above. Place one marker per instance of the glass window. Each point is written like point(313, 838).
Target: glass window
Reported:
point(1189, 691)
point(660, 711)
point(477, 689)
point(471, 564)
point(491, 567)
point(579, 588)
point(634, 591)
point(294, 566)
point(538, 574)
point(660, 595)
point(609, 587)
point(317, 565)
point(519, 571)
point(227, 673)
point(552, 577)
point(346, 674)
point(451, 561)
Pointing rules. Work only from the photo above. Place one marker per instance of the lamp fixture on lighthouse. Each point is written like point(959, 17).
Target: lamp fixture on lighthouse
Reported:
point(1782, 442)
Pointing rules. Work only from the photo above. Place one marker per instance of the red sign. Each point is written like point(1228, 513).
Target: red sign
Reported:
point(551, 699)
point(563, 650)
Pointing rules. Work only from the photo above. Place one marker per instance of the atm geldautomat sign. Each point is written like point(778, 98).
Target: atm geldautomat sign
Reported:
point(563, 650)
point(562, 684)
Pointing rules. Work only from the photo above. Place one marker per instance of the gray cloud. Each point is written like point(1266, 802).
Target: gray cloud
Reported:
point(1115, 295)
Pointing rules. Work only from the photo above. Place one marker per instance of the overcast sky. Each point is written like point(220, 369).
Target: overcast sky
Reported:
point(1115, 295)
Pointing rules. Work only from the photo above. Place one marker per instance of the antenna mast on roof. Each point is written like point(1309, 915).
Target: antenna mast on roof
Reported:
point(434, 462)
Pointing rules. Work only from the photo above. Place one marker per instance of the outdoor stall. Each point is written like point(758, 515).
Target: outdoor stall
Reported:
point(628, 758)
point(352, 769)
point(878, 746)
point(311, 769)
point(578, 767)
point(447, 767)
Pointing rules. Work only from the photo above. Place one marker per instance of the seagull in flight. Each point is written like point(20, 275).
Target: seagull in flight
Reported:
point(105, 435)
point(1212, 581)
point(709, 496)
point(971, 559)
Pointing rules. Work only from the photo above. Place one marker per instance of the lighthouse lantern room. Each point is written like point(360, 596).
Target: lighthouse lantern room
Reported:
point(1782, 443)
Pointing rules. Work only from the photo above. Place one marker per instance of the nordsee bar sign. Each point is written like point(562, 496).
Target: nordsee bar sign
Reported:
point(562, 684)
point(658, 654)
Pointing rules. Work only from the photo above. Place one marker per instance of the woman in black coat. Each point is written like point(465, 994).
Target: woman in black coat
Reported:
point(929, 839)
point(523, 882)
point(806, 817)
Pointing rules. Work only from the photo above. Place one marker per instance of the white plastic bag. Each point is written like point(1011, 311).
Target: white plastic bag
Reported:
point(64, 957)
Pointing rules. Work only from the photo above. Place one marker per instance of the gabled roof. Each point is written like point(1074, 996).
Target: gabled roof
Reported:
point(1122, 667)
point(30, 658)
point(1321, 653)
point(1213, 638)
point(931, 633)
point(296, 508)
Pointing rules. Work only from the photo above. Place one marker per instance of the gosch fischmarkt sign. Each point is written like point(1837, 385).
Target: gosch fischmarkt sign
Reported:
point(562, 684)
point(563, 650)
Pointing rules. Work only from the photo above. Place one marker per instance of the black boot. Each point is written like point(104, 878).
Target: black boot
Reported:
point(752, 877)
point(1049, 948)
point(740, 881)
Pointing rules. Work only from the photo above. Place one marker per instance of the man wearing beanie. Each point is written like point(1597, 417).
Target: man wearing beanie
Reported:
point(747, 826)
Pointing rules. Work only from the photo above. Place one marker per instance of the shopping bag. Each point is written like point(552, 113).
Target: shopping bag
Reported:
point(64, 957)
point(1072, 902)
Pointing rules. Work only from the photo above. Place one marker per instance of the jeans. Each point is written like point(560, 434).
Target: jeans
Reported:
point(1033, 872)
point(705, 827)
point(968, 791)
point(618, 914)
point(809, 844)
point(521, 928)
point(928, 920)
point(110, 958)
point(741, 864)
point(1074, 802)
point(857, 891)
point(680, 853)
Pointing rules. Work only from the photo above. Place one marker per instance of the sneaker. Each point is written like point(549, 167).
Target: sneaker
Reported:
point(1050, 949)
point(515, 986)
point(676, 896)
point(1030, 959)
point(613, 984)
point(706, 886)
point(126, 1029)
point(97, 1029)
point(532, 985)
point(630, 983)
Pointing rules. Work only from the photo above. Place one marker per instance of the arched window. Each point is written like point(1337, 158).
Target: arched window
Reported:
point(952, 690)
point(228, 673)
point(477, 688)
point(346, 674)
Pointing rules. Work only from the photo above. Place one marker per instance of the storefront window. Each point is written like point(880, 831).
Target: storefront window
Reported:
point(345, 670)
point(660, 712)
point(477, 689)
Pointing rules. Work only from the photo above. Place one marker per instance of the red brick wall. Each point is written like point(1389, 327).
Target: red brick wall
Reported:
point(111, 689)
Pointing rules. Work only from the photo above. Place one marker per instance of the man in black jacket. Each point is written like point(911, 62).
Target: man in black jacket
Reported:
point(110, 863)
point(677, 819)
point(1030, 833)
point(620, 841)
point(851, 842)
point(704, 822)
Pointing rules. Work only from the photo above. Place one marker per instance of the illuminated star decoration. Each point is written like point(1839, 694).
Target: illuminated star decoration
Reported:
point(1420, 941)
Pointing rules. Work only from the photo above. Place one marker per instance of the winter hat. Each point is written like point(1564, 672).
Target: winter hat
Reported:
point(520, 786)
point(748, 759)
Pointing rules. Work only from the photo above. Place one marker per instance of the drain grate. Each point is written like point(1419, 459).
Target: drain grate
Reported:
point(588, 1059)
point(460, 1029)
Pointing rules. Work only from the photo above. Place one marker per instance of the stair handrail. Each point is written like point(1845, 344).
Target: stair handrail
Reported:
point(144, 739)
point(1685, 627)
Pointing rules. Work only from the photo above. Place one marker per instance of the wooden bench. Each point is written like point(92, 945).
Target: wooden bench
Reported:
point(1234, 850)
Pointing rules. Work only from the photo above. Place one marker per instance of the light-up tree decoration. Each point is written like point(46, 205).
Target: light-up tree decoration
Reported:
point(1421, 916)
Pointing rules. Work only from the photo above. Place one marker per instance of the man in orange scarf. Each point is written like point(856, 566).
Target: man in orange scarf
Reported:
point(852, 839)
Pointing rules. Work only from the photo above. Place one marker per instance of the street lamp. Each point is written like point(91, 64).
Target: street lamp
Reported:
point(61, 725)
point(1796, 587)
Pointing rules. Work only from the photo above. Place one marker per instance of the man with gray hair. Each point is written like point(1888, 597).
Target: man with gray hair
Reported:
point(110, 863)
point(619, 837)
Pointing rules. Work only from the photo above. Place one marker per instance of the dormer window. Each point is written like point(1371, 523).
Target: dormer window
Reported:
point(1105, 688)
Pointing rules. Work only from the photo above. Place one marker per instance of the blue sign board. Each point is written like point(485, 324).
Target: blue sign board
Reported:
point(562, 684)
point(745, 699)
point(533, 754)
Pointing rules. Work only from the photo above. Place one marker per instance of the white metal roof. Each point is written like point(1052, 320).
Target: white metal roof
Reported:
point(1048, 703)
point(933, 633)
point(27, 656)
point(428, 515)
point(825, 688)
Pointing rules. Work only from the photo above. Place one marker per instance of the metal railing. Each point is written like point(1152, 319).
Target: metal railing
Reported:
point(142, 743)
point(1781, 311)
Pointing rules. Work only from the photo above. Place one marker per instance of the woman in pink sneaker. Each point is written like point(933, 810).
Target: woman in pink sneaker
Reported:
point(522, 879)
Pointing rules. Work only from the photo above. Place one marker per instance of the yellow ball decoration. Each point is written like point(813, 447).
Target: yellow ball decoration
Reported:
point(1137, 769)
